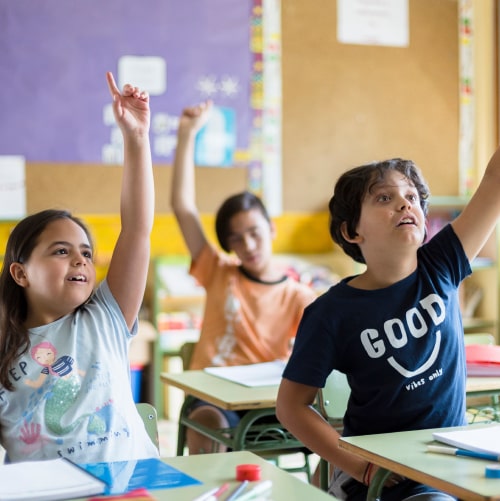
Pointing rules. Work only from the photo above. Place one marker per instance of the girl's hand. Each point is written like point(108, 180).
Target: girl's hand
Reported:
point(131, 108)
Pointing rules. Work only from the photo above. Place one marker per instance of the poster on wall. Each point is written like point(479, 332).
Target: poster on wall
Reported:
point(55, 55)
point(12, 187)
point(373, 22)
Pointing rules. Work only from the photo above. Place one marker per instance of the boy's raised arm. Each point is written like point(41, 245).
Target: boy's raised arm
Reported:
point(129, 264)
point(476, 222)
point(183, 198)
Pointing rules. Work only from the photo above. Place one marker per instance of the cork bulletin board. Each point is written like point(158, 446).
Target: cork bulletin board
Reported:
point(344, 104)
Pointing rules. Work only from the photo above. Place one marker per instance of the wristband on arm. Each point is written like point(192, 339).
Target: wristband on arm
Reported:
point(367, 475)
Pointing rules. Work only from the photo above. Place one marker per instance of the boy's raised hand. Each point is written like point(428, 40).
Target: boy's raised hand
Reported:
point(130, 107)
point(194, 118)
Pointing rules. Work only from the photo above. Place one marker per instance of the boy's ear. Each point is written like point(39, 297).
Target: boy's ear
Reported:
point(352, 240)
point(272, 229)
point(18, 274)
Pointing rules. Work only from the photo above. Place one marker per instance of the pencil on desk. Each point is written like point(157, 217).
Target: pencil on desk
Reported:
point(256, 490)
point(453, 451)
point(207, 495)
point(218, 493)
point(234, 494)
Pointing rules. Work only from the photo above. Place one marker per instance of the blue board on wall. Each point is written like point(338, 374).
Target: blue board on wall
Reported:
point(55, 54)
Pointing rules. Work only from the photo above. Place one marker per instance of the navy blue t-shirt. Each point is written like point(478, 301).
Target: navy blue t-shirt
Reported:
point(401, 346)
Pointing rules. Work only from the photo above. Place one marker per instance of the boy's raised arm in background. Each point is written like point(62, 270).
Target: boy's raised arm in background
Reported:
point(237, 329)
point(127, 272)
point(183, 198)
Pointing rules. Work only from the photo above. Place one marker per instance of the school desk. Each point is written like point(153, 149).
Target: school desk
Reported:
point(479, 386)
point(261, 401)
point(405, 453)
point(216, 469)
point(258, 401)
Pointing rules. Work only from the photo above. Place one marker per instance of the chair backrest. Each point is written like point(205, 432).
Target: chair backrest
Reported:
point(332, 403)
point(150, 418)
point(479, 338)
point(333, 398)
point(186, 352)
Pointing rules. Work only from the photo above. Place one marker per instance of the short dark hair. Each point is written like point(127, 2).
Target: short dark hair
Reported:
point(241, 202)
point(350, 190)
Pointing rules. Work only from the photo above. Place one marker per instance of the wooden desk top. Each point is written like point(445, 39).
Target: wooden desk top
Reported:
point(216, 469)
point(406, 453)
point(221, 392)
point(233, 396)
point(476, 384)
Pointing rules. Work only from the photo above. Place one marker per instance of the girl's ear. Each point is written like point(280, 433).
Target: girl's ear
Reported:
point(18, 274)
point(352, 240)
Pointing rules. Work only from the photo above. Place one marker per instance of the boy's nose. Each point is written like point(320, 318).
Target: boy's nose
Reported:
point(404, 204)
point(249, 243)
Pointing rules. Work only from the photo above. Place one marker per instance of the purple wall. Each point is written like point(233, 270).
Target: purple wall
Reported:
point(54, 55)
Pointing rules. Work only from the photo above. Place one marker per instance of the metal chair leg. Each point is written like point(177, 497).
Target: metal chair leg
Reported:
point(377, 483)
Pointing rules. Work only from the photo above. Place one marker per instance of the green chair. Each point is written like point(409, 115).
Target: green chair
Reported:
point(332, 403)
point(150, 418)
point(479, 338)
point(267, 439)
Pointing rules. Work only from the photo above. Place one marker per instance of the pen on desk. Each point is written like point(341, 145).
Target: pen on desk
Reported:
point(462, 452)
point(218, 493)
point(207, 495)
point(236, 492)
point(260, 488)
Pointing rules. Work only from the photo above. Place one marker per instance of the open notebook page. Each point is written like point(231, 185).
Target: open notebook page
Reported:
point(263, 374)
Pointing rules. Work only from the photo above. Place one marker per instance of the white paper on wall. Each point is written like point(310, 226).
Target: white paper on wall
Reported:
point(12, 187)
point(373, 22)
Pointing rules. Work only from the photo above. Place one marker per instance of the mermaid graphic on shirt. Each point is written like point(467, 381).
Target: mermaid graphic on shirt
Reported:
point(64, 390)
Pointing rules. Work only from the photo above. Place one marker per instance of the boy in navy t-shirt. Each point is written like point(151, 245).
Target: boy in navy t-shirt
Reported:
point(395, 329)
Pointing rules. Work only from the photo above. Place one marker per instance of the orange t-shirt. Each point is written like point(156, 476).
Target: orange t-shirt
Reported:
point(245, 321)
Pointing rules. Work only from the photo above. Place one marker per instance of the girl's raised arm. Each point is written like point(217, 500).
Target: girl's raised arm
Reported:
point(128, 269)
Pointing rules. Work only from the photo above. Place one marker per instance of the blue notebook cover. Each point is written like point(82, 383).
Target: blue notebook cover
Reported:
point(124, 476)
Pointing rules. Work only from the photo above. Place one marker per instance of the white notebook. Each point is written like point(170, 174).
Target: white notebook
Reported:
point(263, 374)
point(50, 480)
point(477, 439)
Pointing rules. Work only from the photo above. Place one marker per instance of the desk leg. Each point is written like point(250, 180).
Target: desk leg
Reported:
point(377, 483)
point(181, 431)
point(324, 474)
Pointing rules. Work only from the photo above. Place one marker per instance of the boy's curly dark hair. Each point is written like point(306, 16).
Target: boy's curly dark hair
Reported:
point(350, 190)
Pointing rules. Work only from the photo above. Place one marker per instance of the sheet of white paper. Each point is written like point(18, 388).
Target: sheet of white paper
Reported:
point(146, 72)
point(263, 374)
point(48, 480)
point(12, 187)
point(373, 22)
point(472, 439)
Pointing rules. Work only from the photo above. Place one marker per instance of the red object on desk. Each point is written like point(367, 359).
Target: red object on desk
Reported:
point(482, 360)
point(136, 495)
point(249, 472)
